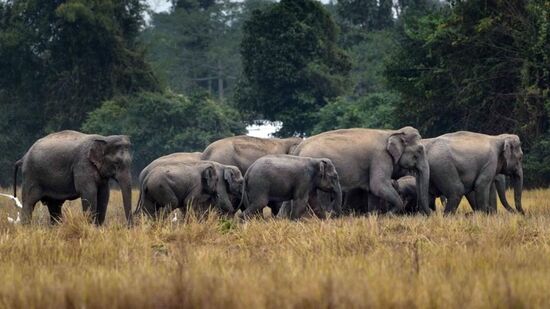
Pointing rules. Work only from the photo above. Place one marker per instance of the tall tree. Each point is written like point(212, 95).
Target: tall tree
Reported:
point(59, 60)
point(291, 64)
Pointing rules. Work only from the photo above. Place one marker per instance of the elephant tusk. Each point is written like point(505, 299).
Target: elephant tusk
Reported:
point(16, 200)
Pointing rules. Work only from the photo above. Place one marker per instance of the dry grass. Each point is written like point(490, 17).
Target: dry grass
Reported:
point(461, 261)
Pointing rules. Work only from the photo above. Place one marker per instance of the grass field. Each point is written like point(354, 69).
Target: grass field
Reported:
point(461, 261)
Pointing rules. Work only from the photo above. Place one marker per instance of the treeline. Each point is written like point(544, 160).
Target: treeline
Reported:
point(177, 80)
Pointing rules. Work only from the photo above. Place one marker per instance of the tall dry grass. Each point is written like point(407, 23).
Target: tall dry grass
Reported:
point(460, 261)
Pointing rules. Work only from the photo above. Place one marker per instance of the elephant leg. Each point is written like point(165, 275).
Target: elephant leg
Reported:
point(452, 203)
point(284, 212)
point(299, 208)
point(471, 197)
point(482, 197)
point(255, 207)
point(432, 203)
point(384, 189)
point(30, 194)
point(54, 208)
point(275, 207)
point(102, 202)
point(493, 199)
point(500, 185)
point(88, 197)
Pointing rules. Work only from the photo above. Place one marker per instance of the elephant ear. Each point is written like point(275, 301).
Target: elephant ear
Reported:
point(209, 179)
point(396, 146)
point(96, 153)
point(323, 168)
point(507, 151)
point(227, 175)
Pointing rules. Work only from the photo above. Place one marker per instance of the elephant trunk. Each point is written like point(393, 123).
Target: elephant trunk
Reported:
point(124, 179)
point(224, 202)
point(336, 204)
point(517, 183)
point(423, 185)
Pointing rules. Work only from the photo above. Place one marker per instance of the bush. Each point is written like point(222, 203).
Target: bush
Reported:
point(159, 124)
point(371, 111)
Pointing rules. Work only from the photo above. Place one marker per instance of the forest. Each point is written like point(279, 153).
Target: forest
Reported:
point(203, 70)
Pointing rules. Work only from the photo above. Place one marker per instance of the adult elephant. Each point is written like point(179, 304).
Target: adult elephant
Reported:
point(241, 151)
point(367, 159)
point(68, 165)
point(467, 163)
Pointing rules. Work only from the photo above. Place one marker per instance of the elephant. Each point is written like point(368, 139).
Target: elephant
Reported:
point(241, 151)
point(229, 186)
point(467, 163)
point(279, 178)
point(406, 187)
point(174, 157)
point(367, 159)
point(232, 177)
point(67, 165)
point(179, 184)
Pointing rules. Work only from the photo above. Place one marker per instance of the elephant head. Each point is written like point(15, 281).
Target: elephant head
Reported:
point(234, 180)
point(209, 179)
point(406, 151)
point(112, 158)
point(327, 180)
point(510, 162)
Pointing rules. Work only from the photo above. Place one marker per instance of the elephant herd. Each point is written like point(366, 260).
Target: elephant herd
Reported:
point(336, 172)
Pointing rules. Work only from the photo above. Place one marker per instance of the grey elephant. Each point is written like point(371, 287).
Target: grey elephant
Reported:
point(367, 159)
point(241, 151)
point(68, 165)
point(177, 185)
point(406, 187)
point(467, 163)
point(174, 157)
point(279, 178)
point(231, 177)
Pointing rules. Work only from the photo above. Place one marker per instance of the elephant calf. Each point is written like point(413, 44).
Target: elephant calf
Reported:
point(181, 184)
point(278, 178)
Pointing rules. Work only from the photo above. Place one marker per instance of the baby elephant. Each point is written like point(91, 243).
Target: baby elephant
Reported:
point(278, 178)
point(406, 187)
point(177, 185)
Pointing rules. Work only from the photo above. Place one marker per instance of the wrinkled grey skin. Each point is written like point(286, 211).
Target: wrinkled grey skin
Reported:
point(68, 165)
point(229, 186)
point(367, 159)
point(241, 151)
point(174, 157)
point(406, 187)
point(176, 185)
point(465, 162)
point(278, 178)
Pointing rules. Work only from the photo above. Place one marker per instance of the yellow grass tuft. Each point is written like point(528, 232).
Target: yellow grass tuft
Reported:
point(460, 261)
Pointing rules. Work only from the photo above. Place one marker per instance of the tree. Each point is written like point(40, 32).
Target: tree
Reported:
point(291, 64)
point(477, 65)
point(58, 61)
point(366, 14)
point(160, 124)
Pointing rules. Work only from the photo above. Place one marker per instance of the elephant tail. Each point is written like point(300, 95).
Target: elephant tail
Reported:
point(16, 168)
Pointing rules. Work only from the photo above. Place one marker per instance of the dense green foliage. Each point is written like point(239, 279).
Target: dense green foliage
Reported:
point(478, 65)
point(161, 124)
point(291, 64)
point(59, 60)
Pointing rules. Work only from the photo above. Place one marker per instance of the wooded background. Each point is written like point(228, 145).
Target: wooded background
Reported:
point(178, 80)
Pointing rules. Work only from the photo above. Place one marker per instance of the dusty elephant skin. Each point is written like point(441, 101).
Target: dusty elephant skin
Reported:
point(279, 178)
point(366, 160)
point(180, 184)
point(241, 151)
point(68, 165)
point(467, 163)
point(230, 184)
